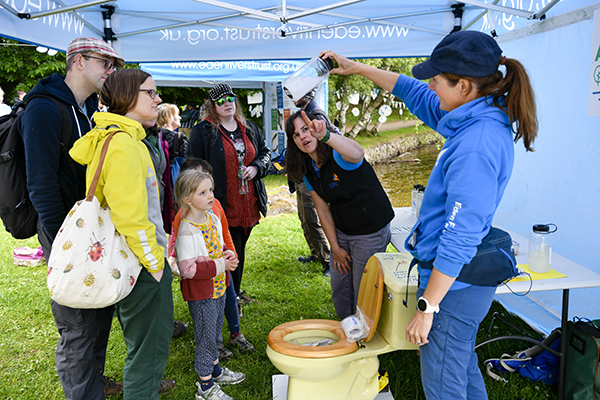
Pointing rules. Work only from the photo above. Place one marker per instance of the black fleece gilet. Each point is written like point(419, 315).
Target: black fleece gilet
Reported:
point(358, 203)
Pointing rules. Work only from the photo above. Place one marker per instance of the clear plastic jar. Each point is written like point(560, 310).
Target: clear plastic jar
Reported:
point(540, 248)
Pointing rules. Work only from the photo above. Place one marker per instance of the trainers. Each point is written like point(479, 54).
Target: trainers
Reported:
point(241, 343)
point(307, 259)
point(246, 299)
point(326, 271)
point(179, 329)
point(111, 386)
point(224, 353)
point(166, 385)
point(214, 393)
point(228, 377)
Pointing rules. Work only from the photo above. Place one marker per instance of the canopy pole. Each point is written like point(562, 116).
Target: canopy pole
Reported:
point(457, 10)
point(109, 34)
point(60, 10)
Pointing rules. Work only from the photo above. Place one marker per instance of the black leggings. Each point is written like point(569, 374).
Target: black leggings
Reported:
point(240, 237)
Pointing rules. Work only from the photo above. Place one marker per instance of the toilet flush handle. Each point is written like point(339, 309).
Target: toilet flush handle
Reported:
point(390, 297)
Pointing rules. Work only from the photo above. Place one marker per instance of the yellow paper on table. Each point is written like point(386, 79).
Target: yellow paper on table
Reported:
point(535, 275)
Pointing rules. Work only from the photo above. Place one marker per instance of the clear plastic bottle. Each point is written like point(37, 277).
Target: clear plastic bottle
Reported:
point(540, 248)
point(305, 78)
point(242, 182)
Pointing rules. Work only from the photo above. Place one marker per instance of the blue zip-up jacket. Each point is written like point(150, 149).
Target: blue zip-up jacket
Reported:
point(467, 181)
point(40, 128)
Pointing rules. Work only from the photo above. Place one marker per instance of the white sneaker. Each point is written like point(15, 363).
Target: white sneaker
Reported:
point(214, 393)
point(228, 377)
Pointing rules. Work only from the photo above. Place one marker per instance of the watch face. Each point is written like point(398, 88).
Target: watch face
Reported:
point(421, 305)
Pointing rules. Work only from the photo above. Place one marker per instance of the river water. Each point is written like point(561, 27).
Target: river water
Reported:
point(399, 175)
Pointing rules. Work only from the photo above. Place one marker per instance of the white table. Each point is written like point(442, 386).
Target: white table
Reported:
point(577, 276)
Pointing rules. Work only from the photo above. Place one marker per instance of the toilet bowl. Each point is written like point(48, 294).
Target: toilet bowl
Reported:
point(348, 370)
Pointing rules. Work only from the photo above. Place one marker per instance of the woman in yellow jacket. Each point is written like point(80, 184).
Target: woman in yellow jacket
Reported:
point(128, 186)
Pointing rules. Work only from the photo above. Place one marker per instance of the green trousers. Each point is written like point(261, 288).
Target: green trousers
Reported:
point(146, 317)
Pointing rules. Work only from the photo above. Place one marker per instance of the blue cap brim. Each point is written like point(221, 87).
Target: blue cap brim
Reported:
point(425, 70)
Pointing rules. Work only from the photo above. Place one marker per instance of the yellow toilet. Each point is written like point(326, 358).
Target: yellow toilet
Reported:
point(348, 370)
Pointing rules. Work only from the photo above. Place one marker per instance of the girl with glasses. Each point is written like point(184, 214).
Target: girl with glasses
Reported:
point(232, 144)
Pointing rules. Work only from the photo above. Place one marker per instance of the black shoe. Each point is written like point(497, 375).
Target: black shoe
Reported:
point(179, 329)
point(307, 259)
point(166, 385)
point(111, 387)
point(245, 298)
point(326, 271)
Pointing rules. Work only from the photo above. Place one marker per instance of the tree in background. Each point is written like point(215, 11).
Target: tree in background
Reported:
point(22, 66)
point(371, 96)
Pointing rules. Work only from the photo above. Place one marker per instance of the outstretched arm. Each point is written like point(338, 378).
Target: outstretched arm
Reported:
point(384, 79)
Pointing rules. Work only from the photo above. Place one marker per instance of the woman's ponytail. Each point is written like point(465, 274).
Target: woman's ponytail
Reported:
point(520, 102)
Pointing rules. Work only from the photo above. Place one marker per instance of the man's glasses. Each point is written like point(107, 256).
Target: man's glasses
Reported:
point(108, 65)
point(230, 99)
point(151, 92)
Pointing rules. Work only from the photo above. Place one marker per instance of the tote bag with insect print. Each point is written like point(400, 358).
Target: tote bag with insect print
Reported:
point(91, 265)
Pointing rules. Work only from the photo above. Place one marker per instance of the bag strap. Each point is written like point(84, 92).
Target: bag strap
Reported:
point(94, 184)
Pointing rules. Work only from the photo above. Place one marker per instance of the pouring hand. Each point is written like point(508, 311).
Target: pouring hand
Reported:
point(345, 66)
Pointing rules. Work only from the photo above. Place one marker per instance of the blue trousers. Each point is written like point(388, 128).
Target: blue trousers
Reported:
point(449, 368)
point(344, 287)
point(231, 308)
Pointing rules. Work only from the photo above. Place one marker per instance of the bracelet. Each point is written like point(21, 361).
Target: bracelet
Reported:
point(326, 137)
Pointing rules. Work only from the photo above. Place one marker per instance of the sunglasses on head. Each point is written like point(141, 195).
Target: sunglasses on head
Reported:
point(220, 102)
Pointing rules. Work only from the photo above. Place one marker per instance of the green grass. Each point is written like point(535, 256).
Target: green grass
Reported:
point(285, 289)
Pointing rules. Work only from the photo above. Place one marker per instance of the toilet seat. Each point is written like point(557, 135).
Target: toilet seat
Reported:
point(369, 301)
point(277, 342)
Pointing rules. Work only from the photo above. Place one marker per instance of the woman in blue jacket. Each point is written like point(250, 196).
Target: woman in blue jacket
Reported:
point(477, 108)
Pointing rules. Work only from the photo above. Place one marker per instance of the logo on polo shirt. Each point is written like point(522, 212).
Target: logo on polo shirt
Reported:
point(336, 182)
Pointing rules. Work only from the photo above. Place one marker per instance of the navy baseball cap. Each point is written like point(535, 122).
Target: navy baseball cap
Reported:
point(463, 53)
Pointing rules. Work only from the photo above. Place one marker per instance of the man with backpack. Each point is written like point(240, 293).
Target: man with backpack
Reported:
point(307, 213)
point(55, 182)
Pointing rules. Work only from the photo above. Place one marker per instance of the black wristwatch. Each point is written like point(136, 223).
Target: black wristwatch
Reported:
point(426, 308)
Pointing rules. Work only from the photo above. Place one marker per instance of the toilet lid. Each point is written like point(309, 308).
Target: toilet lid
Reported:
point(370, 294)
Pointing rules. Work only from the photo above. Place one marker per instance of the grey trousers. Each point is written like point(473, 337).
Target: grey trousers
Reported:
point(345, 287)
point(81, 349)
